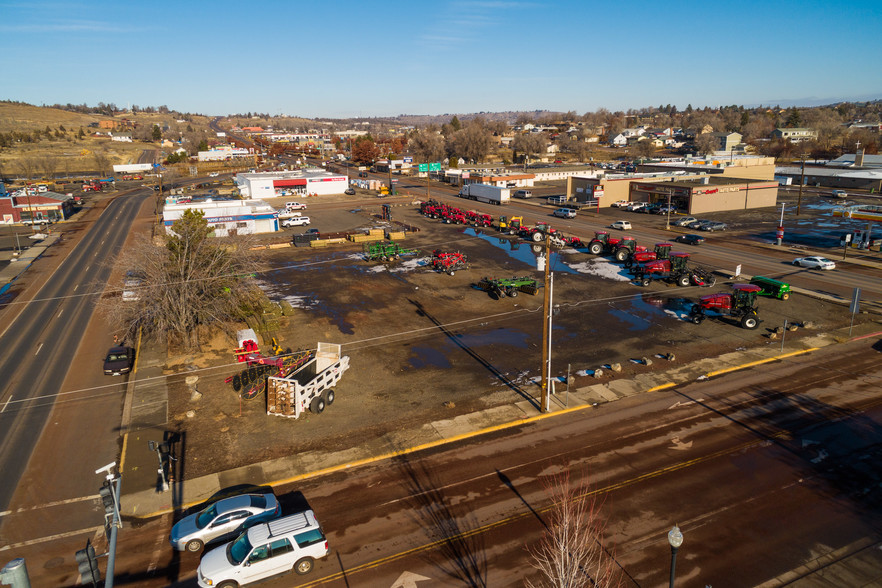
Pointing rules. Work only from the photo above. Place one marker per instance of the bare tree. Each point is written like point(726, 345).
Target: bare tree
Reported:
point(706, 143)
point(472, 142)
point(427, 146)
point(48, 165)
point(28, 166)
point(190, 285)
point(530, 143)
point(571, 553)
point(643, 149)
point(101, 161)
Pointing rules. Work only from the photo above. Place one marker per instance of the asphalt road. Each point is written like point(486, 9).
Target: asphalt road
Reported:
point(44, 337)
point(765, 471)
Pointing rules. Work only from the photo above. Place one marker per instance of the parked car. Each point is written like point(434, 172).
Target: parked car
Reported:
point(119, 360)
point(685, 221)
point(697, 224)
point(295, 206)
point(522, 194)
point(349, 191)
point(714, 226)
point(131, 286)
point(213, 175)
point(565, 213)
point(268, 549)
point(814, 262)
point(620, 204)
point(621, 225)
point(225, 518)
point(839, 194)
point(665, 209)
point(690, 239)
point(636, 206)
point(295, 221)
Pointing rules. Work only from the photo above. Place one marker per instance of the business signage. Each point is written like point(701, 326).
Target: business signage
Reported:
point(434, 167)
point(408, 160)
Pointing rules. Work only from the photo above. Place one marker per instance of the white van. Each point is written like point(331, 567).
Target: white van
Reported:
point(277, 547)
point(522, 194)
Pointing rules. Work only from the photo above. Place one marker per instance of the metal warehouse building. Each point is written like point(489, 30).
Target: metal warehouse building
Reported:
point(290, 183)
point(228, 217)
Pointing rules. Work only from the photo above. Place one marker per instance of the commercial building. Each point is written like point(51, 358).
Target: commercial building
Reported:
point(290, 183)
point(29, 205)
point(223, 153)
point(731, 166)
point(693, 193)
point(228, 217)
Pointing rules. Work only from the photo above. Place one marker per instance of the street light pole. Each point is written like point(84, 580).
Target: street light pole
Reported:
point(546, 329)
point(801, 182)
point(675, 538)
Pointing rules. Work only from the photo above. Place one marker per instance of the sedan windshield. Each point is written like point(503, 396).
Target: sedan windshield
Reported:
point(239, 549)
point(206, 516)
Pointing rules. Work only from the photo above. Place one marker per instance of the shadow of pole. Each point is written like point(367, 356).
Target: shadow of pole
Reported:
point(421, 311)
point(505, 480)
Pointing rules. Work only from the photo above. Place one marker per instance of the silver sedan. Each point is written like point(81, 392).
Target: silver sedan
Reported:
point(223, 518)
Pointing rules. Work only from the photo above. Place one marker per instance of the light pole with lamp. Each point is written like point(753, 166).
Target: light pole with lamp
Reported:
point(675, 538)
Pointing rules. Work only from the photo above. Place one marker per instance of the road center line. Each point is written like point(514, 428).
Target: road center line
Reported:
point(38, 349)
point(8, 400)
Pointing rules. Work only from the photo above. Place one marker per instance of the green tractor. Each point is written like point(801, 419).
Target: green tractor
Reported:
point(509, 286)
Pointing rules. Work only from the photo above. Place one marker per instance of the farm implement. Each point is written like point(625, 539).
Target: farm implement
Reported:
point(676, 269)
point(509, 286)
point(739, 304)
point(382, 251)
point(449, 262)
point(251, 381)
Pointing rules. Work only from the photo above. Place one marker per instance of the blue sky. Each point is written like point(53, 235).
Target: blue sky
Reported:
point(343, 58)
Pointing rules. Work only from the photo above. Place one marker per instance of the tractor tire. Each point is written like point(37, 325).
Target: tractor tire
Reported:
point(537, 237)
point(697, 318)
point(329, 397)
point(696, 309)
point(621, 255)
point(785, 295)
point(317, 406)
point(451, 272)
point(513, 293)
point(710, 281)
point(683, 280)
point(595, 248)
point(750, 321)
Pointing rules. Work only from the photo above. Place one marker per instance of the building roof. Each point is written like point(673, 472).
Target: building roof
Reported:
point(847, 160)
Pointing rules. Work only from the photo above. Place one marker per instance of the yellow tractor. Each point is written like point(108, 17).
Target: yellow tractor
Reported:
point(510, 225)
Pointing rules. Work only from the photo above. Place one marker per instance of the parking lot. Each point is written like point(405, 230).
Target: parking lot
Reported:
point(426, 345)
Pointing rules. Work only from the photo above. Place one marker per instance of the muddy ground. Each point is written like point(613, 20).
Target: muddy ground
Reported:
point(426, 346)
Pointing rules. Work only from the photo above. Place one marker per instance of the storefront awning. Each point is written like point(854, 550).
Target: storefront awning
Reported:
point(289, 183)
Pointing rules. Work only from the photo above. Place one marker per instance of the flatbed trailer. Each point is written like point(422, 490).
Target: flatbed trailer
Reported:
point(310, 387)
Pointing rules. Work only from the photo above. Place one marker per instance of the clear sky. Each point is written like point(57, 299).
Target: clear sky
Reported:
point(341, 58)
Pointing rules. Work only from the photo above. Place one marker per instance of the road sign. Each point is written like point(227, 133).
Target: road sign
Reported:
point(423, 167)
point(434, 167)
point(855, 301)
point(408, 160)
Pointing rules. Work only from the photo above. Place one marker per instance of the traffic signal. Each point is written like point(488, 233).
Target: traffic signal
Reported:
point(106, 493)
point(87, 563)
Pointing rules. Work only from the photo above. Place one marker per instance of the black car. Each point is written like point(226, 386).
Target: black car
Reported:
point(349, 191)
point(119, 361)
point(690, 239)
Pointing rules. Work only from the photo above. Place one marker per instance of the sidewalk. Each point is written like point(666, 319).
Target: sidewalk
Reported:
point(19, 263)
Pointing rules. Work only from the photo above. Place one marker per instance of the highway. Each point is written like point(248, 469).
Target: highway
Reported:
point(42, 343)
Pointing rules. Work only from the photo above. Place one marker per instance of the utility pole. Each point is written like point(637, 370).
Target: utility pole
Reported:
point(801, 182)
point(546, 329)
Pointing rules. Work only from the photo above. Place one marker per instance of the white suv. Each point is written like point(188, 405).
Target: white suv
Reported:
point(290, 543)
point(296, 221)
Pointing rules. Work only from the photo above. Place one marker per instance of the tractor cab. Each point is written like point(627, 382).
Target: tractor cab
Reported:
point(678, 261)
point(629, 243)
point(662, 250)
point(602, 236)
point(745, 295)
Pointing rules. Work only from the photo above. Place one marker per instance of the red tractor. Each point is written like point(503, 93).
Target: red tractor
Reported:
point(603, 243)
point(740, 304)
point(674, 269)
point(449, 261)
point(642, 254)
point(479, 219)
point(626, 247)
point(454, 216)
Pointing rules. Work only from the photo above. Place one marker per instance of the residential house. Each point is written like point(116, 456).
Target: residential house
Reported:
point(795, 135)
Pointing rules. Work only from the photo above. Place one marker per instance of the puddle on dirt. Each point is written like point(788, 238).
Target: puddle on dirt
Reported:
point(438, 357)
point(523, 251)
point(641, 312)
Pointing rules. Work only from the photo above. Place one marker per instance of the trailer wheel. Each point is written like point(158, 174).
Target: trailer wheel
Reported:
point(237, 383)
point(629, 262)
point(785, 295)
point(683, 280)
point(750, 321)
point(252, 374)
point(697, 318)
point(329, 396)
point(644, 281)
point(317, 406)
point(245, 378)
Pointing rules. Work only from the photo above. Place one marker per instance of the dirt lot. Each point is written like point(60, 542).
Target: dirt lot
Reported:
point(427, 346)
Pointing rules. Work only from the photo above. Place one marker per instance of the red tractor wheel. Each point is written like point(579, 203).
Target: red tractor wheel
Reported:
point(595, 248)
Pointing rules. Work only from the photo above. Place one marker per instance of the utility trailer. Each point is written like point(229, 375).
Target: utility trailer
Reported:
point(309, 387)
